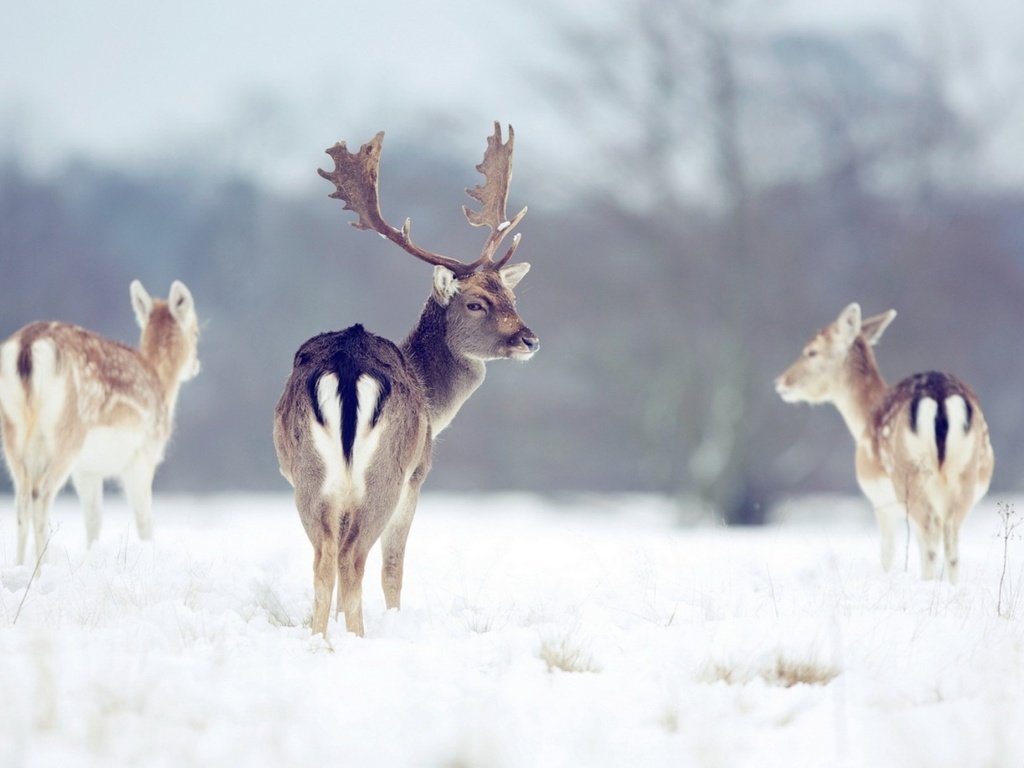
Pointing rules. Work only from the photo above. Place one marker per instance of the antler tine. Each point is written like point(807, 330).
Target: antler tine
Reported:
point(355, 181)
point(508, 254)
point(493, 196)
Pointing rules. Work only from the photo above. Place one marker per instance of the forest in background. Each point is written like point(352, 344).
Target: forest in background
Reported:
point(728, 191)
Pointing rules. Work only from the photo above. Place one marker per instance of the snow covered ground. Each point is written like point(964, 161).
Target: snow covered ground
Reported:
point(533, 633)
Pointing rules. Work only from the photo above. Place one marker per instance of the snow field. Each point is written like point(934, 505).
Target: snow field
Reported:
point(533, 633)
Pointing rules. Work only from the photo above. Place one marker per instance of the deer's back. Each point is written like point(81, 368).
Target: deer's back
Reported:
point(63, 388)
point(351, 395)
point(107, 383)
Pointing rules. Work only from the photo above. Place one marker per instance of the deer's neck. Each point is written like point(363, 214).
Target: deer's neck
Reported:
point(168, 378)
point(863, 390)
point(448, 377)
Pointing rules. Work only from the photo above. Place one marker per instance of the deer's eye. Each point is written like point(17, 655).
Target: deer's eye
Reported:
point(475, 306)
point(811, 353)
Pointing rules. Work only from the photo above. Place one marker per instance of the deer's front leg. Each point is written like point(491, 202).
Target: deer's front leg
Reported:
point(138, 487)
point(89, 488)
point(888, 518)
point(393, 547)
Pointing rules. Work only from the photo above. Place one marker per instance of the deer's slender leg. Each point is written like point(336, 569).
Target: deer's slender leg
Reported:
point(89, 487)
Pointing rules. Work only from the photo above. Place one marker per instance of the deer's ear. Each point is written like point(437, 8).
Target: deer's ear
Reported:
point(445, 285)
point(142, 303)
point(180, 302)
point(513, 273)
point(873, 327)
point(848, 323)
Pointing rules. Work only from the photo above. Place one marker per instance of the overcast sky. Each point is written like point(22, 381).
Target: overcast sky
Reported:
point(119, 78)
point(277, 82)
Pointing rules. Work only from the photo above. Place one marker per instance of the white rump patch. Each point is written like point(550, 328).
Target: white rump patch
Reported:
point(12, 394)
point(921, 442)
point(327, 436)
point(340, 479)
point(36, 414)
point(49, 390)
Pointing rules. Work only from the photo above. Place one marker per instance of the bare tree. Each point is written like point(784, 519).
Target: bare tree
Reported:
point(664, 78)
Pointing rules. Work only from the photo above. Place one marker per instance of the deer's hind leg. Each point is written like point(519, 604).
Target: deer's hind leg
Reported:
point(41, 494)
point(929, 539)
point(956, 513)
point(319, 517)
point(358, 530)
point(23, 505)
point(41, 502)
point(325, 558)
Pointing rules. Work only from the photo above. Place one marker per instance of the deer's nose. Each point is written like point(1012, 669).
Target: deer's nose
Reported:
point(529, 340)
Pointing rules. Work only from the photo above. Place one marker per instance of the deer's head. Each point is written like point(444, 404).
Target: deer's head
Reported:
point(481, 320)
point(170, 331)
point(824, 365)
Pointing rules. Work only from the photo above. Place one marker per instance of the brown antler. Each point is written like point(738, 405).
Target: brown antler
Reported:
point(497, 170)
point(355, 181)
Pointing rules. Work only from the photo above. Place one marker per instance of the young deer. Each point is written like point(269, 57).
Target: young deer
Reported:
point(76, 404)
point(354, 426)
point(922, 446)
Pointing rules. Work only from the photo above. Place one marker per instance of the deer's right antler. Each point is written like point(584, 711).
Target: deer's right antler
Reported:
point(355, 181)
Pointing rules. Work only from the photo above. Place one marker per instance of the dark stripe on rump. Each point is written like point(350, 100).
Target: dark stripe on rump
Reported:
point(348, 354)
point(941, 430)
point(26, 338)
point(347, 378)
point(314, 401)
point(25, 361)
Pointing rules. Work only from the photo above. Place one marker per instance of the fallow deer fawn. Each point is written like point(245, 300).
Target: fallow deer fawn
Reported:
point(922, 446)
point(354, 426)
point(73, 403)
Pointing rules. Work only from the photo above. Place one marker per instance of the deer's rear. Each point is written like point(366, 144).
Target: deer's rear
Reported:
point(932, 441)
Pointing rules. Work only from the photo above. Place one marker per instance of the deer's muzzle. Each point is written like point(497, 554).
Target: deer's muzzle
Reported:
point(524, 344)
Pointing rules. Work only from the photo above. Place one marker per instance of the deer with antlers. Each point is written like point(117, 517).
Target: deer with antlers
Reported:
point(922, 446)
point(355, 424)
point(75, 404)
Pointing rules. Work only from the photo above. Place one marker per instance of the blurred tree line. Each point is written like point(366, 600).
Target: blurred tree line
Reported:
point(734, 186)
